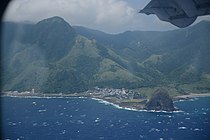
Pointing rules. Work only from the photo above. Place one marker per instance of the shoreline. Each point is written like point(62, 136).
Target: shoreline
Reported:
point(119, 105)
point(99, 100)
point(191, 95)
point(133, 109)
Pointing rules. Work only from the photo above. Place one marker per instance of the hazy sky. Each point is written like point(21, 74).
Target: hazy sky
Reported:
point(110, 16)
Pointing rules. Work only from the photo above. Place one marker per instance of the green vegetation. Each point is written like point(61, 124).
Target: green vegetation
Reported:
point(53, 57)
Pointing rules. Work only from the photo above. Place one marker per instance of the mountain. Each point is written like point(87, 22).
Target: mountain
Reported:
point(52, 56)
point(179, 56)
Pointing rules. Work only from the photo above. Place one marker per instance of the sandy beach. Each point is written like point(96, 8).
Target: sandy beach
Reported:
point(193, 95)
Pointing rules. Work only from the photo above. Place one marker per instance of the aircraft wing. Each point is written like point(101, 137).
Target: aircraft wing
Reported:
point(180, 13)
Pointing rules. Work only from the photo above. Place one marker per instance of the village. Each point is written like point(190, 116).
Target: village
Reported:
point(121, 94)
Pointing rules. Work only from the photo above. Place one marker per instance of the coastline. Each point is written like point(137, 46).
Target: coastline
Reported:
point(99, 100)
point(133, 106)
point(191, 95)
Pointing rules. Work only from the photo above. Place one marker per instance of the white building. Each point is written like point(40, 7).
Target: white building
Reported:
point(32, 91)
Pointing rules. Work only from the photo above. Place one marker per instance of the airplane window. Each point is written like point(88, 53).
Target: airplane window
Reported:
point(105, 69)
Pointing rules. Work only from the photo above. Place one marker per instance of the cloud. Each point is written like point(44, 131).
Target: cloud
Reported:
point(111, 16)
point(106, 15)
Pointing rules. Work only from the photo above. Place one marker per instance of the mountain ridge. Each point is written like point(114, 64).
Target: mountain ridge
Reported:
point(53, 56)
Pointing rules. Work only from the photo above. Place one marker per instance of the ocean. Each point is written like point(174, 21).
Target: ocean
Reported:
point(88, 119)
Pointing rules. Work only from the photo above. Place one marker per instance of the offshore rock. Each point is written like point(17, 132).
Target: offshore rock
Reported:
point(160, 101)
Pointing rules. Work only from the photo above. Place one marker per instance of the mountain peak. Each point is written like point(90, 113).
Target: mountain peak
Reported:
point(55, 20)
point(54, 28)
point(55, 24)
point(53, 35)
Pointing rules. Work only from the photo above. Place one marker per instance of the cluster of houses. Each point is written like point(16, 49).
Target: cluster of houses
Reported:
point(117, 93)
point(20, 93)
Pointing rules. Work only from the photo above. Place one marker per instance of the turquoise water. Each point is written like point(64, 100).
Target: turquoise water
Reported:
point(87, 119)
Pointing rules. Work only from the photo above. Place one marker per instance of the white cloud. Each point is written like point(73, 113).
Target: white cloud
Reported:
point(112, 16)
point(106, 15)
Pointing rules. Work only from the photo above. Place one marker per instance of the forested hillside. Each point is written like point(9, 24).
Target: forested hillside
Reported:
point(52, 56)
